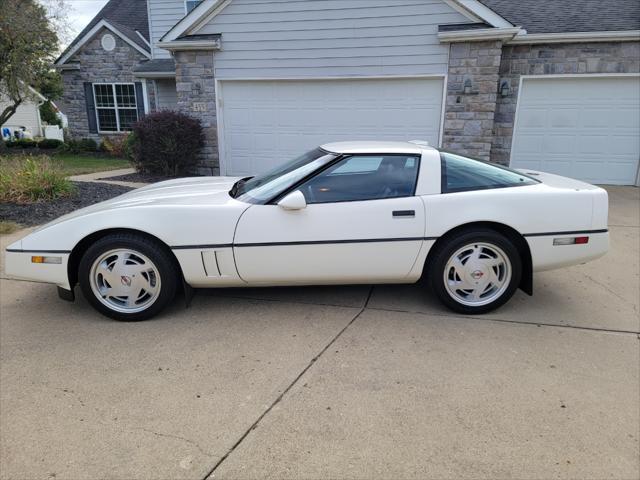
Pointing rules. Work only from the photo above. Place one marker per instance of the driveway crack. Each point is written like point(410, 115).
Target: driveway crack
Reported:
point(177, 437)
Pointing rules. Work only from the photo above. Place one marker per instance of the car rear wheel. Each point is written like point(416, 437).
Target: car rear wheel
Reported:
point(476, 272)
point(128, 277)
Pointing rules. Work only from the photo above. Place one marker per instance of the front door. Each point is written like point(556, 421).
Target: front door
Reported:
point(362, 223)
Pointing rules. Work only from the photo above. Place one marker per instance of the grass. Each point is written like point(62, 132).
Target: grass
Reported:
point(30, 179)
point(78, 164)
point(8, 227)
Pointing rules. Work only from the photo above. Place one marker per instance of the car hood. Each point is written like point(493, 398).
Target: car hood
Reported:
point(201, 191)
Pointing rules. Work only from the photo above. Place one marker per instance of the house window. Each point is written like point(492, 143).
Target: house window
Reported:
point(191, 4)
point(116, 106)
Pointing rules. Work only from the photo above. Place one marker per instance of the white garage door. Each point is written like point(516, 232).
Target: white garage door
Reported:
point(265, 123)
point(585, 128)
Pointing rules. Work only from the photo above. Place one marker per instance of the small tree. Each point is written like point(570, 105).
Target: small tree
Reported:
point(166, 143)
point(28, 45)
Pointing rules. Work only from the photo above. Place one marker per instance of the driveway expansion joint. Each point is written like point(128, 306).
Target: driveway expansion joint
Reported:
point(255, 424)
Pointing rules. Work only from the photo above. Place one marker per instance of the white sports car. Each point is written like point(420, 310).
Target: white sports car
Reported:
point(344, 213)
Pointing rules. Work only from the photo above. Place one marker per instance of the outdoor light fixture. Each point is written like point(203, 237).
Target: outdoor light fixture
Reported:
point(505, 88)
point(467, 86)
point(197, 88)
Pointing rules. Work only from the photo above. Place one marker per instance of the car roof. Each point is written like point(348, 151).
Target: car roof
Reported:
point(415, 147)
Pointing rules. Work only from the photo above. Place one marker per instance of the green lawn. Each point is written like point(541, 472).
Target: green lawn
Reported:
point(77, 164)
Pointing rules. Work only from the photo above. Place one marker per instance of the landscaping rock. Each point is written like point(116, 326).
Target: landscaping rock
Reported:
point(88, 193)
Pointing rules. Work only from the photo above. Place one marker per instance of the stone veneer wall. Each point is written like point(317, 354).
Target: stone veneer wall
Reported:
point(96, 65)
point(196, 91)
point(548, 59)
point(468, 124)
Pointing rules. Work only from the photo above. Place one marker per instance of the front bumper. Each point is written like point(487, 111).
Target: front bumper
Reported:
point(18, 265)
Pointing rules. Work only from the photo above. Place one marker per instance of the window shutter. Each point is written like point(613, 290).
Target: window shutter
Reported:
point(91, 107)
point(140, 99)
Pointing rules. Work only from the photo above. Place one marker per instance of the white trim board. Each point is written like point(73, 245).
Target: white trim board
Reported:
point(90, 34)
point(219, 89)
point(203, 13)
point(476, 11)
point(572, 37)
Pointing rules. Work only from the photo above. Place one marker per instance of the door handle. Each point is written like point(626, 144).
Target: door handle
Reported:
point(404, 213)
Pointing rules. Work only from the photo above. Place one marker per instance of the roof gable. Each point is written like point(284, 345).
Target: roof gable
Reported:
point(126, 18)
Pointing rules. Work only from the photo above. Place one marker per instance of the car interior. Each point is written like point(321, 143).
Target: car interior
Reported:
point(363, 177)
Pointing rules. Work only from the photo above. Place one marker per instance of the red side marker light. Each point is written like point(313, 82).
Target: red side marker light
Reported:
point(582, 240)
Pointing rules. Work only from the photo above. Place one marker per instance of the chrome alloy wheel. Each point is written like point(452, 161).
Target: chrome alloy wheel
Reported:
point(125, 280)
point(477, 274)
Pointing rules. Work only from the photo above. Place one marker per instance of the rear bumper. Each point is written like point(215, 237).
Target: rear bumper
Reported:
point(547, 256)
point(18, 265)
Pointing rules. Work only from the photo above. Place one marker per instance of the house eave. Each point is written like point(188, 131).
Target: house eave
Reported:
point(154, 74)
point(504, 34)
point(190, 45)
point(577, 37)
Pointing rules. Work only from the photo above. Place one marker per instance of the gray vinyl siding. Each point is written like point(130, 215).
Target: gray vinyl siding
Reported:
point(167, 95)
point(312, 38)
point(163, 14)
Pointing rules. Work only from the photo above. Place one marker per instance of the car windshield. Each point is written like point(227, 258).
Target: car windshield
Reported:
point(261, 188)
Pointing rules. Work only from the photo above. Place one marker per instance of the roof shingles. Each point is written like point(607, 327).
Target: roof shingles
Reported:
point(560, 16)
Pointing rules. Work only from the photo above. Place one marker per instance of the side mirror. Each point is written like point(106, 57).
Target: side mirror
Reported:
point(293, 201)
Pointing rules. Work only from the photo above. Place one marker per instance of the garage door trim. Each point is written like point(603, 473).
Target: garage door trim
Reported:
point(219, 89)
point(562, 76)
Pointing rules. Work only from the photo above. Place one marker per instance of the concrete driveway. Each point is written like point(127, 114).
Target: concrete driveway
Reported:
point(345, 382)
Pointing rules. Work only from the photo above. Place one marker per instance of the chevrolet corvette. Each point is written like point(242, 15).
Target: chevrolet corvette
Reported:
point(343, 213)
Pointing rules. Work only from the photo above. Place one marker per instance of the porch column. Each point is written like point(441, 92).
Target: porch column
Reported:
point(195, 87)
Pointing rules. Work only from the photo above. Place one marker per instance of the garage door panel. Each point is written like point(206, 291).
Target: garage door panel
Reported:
point(582, 127)
point(264, 123)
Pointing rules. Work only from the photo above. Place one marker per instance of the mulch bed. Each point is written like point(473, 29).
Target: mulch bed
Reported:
point(143, 178)
point(87, 194)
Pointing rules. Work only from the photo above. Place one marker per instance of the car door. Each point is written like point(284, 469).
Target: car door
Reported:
point(361, 223)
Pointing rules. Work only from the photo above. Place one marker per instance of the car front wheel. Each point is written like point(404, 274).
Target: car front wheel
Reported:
point(476, 272)
point(128, 277)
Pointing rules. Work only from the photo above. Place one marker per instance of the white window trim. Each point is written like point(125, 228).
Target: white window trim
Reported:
point(115, 106)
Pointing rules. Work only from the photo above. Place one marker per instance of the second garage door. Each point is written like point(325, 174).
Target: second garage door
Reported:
point(265, 123)
point(581, 127)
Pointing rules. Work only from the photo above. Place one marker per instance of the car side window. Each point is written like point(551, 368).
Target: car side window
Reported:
point(364, 177)
point(462, 174)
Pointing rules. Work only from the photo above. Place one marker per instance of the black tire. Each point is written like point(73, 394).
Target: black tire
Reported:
point(449, 246)
point(155, 252)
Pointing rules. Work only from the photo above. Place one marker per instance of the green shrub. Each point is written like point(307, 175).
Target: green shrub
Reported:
point(49, 144)
point(88, 145)
point(12, 144)
point(26, 143)
point(27, 179)
point(115, 146)
point(166, 143)
point(73, 145)
point(48, 114)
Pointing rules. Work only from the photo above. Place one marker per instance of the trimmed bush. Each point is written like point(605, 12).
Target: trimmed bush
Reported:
point(26, 143)
point(88, 145)
point(166, 143)
point(73, 145)
point(115, 146)
point(49, 144)
point(26, 179)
